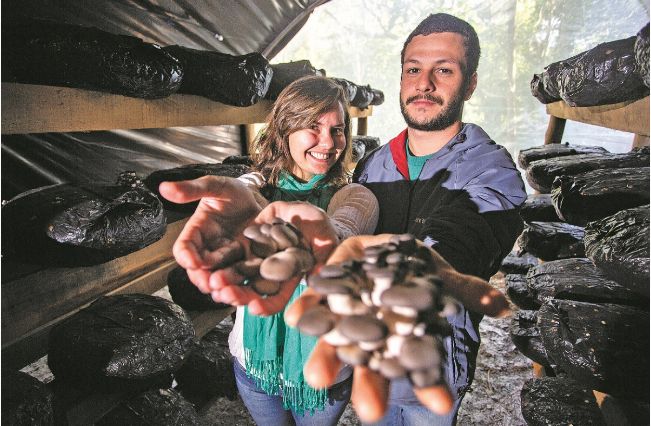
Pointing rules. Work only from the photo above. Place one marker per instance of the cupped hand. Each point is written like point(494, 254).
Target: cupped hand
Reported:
point(370, 390)
point(317, 236)
point(211, 241)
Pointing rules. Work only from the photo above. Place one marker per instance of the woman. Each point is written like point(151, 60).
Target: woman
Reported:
point(301, 155)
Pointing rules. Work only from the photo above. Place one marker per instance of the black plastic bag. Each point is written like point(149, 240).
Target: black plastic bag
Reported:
point(525, 335)
point(121, 343)
point(363, 97)
point(538, 208)
point(619, 246)
point(552, 240)
point(286, 73)
point(232, 80)
point(559, 401)
point(80, 225)
point(189, 172)
point(641, 49)
point(208, 372)
point(350, 88)
point(362, 145)
point(605, 74)
point(160, 407)
point(515, 263)
point(603, 346)
point(541, 174)
point(593, 195)
point(518, 293)
point(578, 279)
point(58, 54)
point(187, 295)
point(553, 150)
point(25, 400)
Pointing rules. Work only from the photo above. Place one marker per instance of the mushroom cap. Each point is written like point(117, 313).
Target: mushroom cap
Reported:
point(266, 287)
point(425, 378)
point(416, 297)
point(317, 321)
point(391, 368)
point(420, 353)
point(305, 258)
point(280, 266)
point(333, 271)
point(283, 235)
point(325, 286)
point(353, 355)
point(263, 246)
point(363, 328)
point(249, 267)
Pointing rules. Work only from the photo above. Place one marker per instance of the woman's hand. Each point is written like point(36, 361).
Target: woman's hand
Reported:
point(212, 242)
point(370, 390)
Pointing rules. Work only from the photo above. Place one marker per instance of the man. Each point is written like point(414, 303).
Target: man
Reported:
point(447, 183)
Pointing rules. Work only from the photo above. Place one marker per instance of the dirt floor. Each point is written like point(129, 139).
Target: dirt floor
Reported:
point(493, 401)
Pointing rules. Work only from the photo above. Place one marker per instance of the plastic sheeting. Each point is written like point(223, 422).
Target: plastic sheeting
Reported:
point(35, 160)
point(236, 28)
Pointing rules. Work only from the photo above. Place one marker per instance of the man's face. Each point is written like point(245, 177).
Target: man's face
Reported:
point(432, 89)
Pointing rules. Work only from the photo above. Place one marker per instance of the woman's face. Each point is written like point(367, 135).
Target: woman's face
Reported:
point(318, 147)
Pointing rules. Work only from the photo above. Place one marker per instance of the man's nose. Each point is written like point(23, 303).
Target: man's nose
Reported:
point(425, 83)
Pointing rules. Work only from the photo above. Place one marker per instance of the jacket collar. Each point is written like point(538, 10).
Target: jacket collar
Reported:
point(397, 146)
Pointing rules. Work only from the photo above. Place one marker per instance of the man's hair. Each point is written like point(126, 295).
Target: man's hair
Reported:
point(444, 23)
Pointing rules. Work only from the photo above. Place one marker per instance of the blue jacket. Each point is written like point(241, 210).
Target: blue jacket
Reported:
point(465, 205)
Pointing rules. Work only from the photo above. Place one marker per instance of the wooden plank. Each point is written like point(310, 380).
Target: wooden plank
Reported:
point(629, 116)
point(33, 303)
point(207, 320)
point(30, 108)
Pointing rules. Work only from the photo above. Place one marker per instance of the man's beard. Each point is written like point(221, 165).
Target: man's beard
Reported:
point(444, 119)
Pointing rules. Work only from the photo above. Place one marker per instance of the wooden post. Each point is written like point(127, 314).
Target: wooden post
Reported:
point(362, 126)
point(555, 130)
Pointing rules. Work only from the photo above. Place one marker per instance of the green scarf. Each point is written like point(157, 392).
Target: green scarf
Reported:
point(274, 353)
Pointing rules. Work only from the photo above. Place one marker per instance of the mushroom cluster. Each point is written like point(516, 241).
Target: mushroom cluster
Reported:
point(279, 256)
point(385, 311)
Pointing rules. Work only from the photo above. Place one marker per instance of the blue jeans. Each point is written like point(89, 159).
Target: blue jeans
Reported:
point(415, 415)
point(268, 409)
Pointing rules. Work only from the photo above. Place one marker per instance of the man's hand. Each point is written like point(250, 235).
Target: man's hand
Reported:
point(370, 390)
point(212, 242)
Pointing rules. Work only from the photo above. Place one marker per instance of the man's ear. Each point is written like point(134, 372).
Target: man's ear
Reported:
point(470, 88)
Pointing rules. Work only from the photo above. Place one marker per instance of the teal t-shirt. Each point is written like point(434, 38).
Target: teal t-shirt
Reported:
point(415, 163)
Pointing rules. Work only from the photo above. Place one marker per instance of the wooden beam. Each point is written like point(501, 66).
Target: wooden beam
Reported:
point(628, 116)
point(30, 108)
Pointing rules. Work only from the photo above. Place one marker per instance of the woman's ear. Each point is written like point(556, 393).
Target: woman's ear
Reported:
point(471, 86)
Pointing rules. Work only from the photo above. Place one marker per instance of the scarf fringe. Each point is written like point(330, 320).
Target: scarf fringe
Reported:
point(297, 396)
point(301, 397)
point(266, 373)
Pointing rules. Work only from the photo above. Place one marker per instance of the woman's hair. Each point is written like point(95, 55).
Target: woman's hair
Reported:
point(299, 106)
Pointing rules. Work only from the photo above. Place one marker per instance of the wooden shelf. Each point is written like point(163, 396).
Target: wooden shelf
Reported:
point(32, 304)
point(39, 109)
point(632, 117)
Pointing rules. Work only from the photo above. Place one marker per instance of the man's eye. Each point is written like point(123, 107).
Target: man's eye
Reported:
point(338, 131)
point(411, 71)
